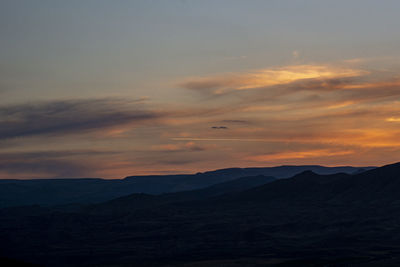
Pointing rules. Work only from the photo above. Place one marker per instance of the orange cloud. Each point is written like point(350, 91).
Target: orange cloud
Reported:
point(299, 155)
point(323, 113)
point(393, 119)
point(269, 77)
point(340, 105)
point(166, 147)
point(189, 146)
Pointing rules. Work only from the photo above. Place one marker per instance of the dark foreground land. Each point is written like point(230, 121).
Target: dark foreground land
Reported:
point(307, 220)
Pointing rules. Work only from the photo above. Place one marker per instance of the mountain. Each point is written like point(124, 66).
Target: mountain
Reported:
point(308, 220)
point(94, 190)
point(378, 185)
point(140, 201)
point(157, 184)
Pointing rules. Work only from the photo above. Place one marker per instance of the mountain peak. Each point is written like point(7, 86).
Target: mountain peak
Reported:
point(393, 166)
point(387, 170)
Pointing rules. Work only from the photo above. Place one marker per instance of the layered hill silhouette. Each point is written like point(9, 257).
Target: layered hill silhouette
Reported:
point(94, 190)
point(307, 220)
point(139, 201)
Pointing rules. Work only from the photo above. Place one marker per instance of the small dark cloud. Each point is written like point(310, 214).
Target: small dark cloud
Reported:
point(69, 116)
point(219, 127)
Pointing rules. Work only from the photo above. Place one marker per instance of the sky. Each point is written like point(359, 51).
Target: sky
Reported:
point(117, 88)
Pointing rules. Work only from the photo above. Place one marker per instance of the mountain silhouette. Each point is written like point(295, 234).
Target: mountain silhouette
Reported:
point(94, 190)
point(309, 219)
point(139, 201)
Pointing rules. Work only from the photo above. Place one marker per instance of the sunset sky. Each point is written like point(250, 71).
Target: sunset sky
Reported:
point(116, 88)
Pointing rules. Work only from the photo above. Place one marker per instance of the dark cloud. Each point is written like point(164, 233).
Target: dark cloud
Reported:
point(337, 84)
point(272, 77)
point(323, 85)
point(69, 116)
point(219, 127)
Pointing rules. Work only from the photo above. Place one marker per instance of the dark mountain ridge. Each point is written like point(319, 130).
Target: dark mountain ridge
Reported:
point(307, 220)
point(66, 191)
point(370, 186)
point(140, 201)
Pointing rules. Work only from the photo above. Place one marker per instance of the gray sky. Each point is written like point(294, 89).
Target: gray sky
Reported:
point(182, 86)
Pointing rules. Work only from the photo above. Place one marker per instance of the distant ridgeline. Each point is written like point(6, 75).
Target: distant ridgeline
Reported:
point(94, 190)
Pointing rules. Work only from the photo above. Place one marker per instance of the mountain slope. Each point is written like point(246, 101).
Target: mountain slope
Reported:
point(376, 185)
point(50, 192)
point(144, 201)
point(173, 183)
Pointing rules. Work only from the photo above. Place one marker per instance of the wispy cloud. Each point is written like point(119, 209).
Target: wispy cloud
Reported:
point(48, 164)
point(393, 119)
point(220, 139)
point(69, 116)
point(296, 114)
point(219, 127)
point(316, 153)
point(188, 146)
point(220, 84)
